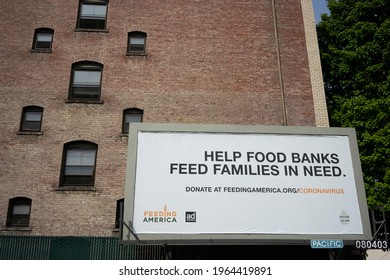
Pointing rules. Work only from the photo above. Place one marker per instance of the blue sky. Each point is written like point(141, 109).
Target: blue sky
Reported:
point(319, 8)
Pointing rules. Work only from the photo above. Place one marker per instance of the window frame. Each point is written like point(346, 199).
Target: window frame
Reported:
point(85, 23)
point(136, 34)
point(37, 32)
point(94, 95)
point(23, 122)
point(18, 220)
point(78, 180)
point(131, 111)
point(119, 208)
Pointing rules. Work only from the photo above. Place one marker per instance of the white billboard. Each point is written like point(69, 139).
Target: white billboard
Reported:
point(222, 183)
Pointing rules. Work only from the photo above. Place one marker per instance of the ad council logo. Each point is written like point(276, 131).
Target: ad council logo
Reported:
point(190, 217)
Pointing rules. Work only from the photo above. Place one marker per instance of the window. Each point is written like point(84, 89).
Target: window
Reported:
point(31, 119)
point(43, 39)
point(92, 14)
point(132, 115)
point(119, 209)
point(86, 81)
point(136, 43)
point(18, 212)
point(78, 164)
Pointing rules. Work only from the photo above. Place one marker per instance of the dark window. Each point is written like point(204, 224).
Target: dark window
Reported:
point(31, 119)
point(92, 14)
point(19, 212)
point(78, 164)
point(132, 115)
point(136, 42)
point(86, 81)
point(119, 209)
point(43, 39)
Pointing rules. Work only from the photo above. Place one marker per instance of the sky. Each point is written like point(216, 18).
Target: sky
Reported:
point(319, 8)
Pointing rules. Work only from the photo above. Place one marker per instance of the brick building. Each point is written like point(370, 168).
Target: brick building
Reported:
point(75, 73)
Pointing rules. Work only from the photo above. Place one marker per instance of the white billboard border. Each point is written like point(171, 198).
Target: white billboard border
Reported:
point(128, 234)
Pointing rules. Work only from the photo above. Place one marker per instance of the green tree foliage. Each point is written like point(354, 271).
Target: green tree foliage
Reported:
point(354, 44)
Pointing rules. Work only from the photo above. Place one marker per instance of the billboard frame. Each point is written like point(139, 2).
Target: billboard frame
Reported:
point(129, 235)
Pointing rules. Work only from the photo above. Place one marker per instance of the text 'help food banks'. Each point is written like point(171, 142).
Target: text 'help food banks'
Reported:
point(261, 163)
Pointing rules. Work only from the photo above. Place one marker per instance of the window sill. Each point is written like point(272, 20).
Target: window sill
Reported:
point(17, 229)
point(91, 30)
point(85, 101)
point(41, 51)
point(76, 188)
point(37, 133)
point(136, 54)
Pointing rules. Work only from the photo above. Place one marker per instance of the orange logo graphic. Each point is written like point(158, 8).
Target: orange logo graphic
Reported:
point(158, 216)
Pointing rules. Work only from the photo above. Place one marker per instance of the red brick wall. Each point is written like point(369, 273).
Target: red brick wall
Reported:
point(208, 62)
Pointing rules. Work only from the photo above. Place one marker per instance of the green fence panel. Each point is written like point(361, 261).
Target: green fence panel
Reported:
point(13, 247)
